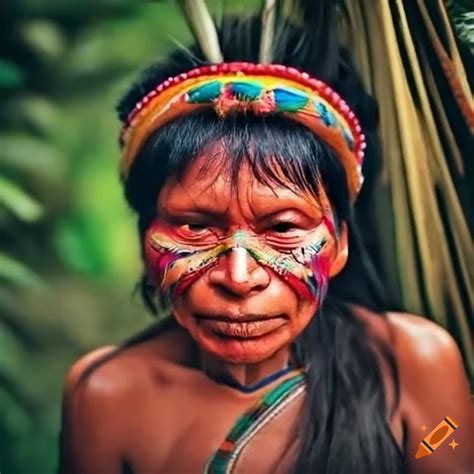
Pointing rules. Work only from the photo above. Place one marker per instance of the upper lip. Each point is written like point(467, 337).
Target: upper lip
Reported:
point(240, 318)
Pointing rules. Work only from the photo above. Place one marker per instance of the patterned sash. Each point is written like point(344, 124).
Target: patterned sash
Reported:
point(251, 422)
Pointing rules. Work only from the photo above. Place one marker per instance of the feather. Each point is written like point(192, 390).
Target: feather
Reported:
point(316, 20)
point(288, 100)
point(268, 16)
point(205, 92)
point(246, 91)
point(203, 27)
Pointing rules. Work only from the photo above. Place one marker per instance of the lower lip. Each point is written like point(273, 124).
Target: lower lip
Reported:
point(242, 330)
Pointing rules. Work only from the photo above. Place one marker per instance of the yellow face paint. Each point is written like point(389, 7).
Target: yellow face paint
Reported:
point(175, 266)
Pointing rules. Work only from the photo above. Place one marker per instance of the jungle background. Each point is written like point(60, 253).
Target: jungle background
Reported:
point(69, 258)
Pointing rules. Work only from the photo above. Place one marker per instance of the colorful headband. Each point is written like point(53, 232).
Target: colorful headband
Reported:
point(260, 89)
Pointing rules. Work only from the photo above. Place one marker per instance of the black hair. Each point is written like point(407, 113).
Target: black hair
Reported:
point(346, 424)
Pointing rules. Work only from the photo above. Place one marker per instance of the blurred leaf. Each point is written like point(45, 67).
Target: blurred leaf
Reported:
point(31, 111)
point(26, 153)
point(20, 412)
point(11, 76)
point(77, 246)
point(16, 272)
point(14, 323)
point(18, 202)
point(11, 351)
point(44, 38)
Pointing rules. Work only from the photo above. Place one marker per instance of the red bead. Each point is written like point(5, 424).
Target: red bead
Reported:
point(315, 84)
point(327, 90)
point(293, 72)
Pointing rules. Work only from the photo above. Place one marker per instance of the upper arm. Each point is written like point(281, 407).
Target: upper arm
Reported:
point(434, 385)
point(89, 435)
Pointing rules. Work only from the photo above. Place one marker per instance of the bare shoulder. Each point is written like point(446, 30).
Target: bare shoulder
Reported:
point(108, 394)
point(414, 339)
point(90, 432)
point(83, 365)
point(426, 353)
point(433, 385)
point(425, 338)
point(112, 375)
point(105, 374)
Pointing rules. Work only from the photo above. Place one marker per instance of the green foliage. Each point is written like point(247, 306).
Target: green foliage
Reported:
point(69, 255)
point(462, 16)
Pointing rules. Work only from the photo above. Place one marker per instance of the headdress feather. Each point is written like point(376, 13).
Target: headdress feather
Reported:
point(203, 27)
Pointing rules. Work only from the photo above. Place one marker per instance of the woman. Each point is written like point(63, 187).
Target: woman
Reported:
point(244, 178)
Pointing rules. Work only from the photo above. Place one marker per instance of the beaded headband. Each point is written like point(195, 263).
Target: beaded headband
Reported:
point(260, 89)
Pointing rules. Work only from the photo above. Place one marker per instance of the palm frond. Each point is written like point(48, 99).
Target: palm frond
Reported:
point(409, 59)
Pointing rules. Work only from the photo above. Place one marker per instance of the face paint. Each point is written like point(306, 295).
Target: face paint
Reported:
point(175, 265)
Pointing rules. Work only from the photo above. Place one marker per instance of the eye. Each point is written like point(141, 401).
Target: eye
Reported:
point(284, 227)
point(194, 229)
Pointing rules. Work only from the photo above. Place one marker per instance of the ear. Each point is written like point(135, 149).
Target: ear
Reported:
point(342, 251)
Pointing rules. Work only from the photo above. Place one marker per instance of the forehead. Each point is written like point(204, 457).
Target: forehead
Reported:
point(209, 183)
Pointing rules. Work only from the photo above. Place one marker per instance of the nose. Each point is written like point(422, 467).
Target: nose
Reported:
point(238, 273)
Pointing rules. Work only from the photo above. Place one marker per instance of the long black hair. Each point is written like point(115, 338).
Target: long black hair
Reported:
point(346, 424)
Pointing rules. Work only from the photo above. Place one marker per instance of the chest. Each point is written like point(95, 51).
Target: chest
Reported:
point(182, 435)
point(186, 429)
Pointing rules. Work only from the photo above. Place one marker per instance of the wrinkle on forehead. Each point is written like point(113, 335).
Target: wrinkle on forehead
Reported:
point(213, 178)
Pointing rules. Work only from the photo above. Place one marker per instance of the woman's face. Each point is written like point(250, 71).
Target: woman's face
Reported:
point(244, 268)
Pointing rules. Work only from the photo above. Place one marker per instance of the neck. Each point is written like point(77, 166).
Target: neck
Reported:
point(244, 375)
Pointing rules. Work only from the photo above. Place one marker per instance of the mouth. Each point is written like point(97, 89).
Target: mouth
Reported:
point(243, 326)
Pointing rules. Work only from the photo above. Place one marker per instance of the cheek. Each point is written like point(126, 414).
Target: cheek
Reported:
point(157, 262)
point(303, 316)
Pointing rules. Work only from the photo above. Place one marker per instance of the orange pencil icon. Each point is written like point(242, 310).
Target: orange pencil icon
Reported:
point(436, 437)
